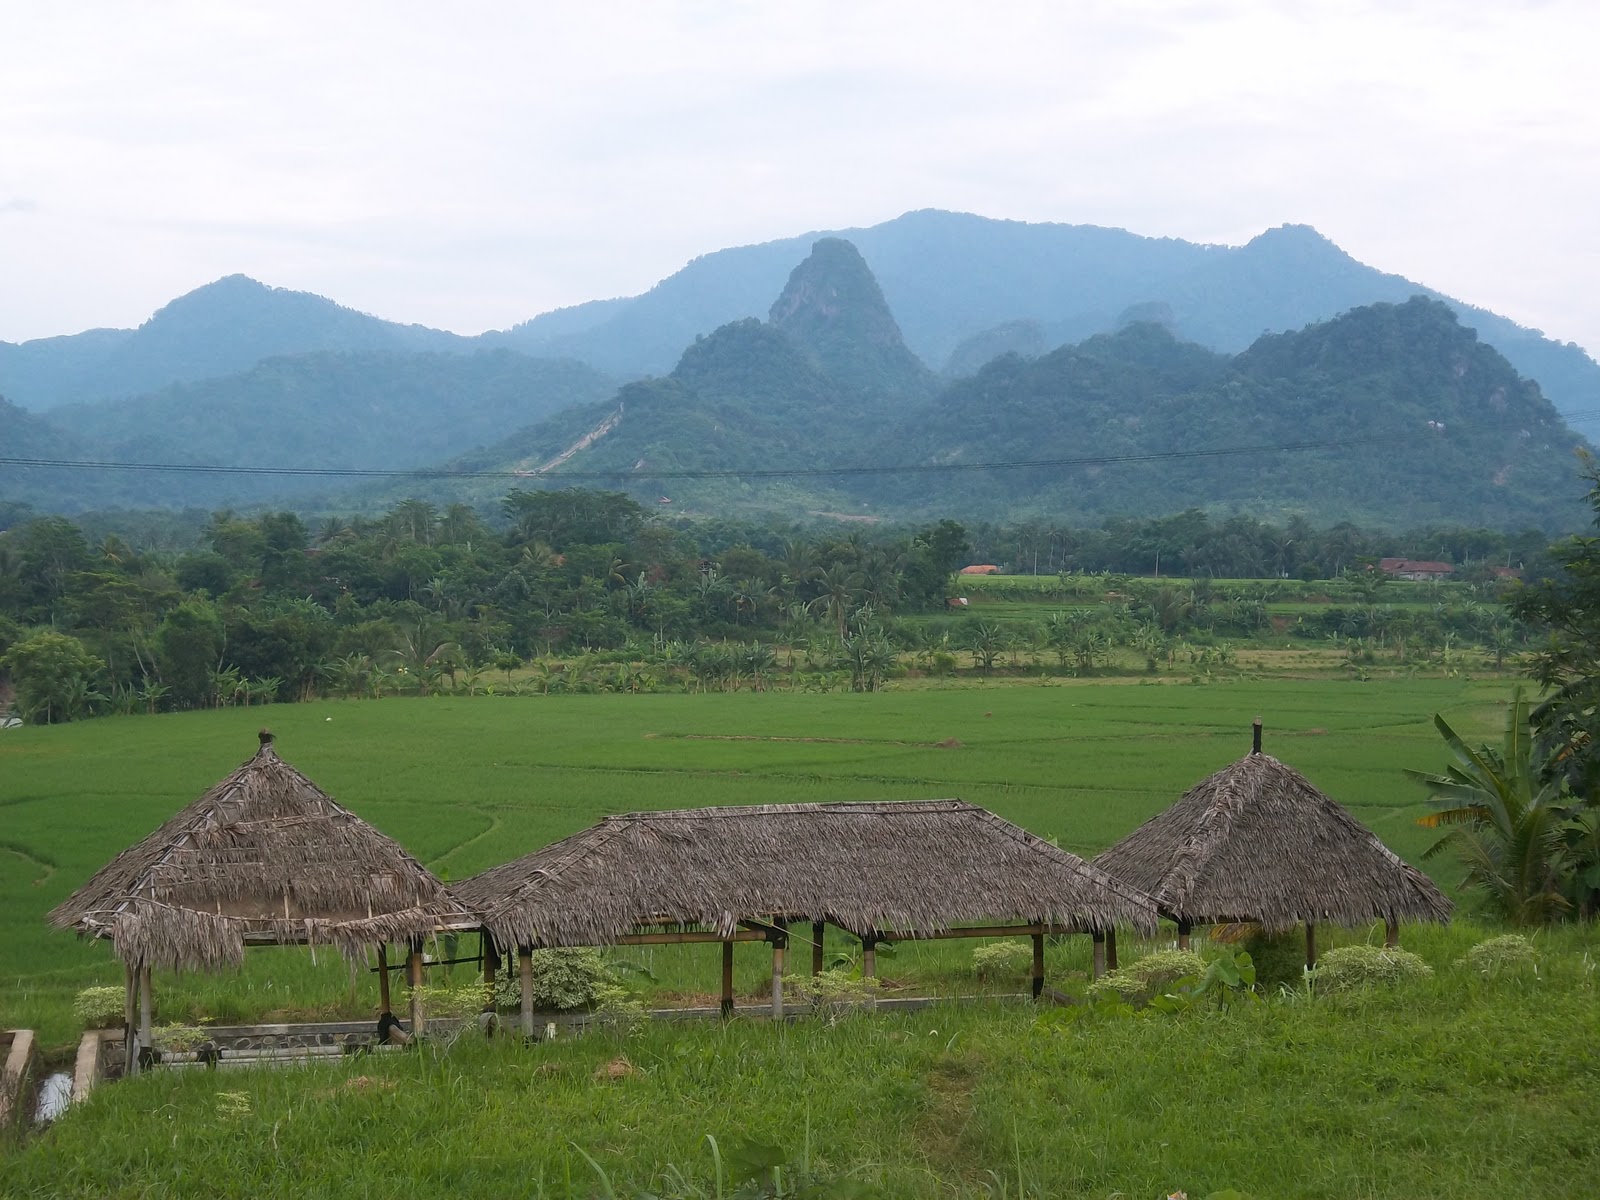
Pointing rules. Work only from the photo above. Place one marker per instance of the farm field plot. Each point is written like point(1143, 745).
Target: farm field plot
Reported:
point(465, 783)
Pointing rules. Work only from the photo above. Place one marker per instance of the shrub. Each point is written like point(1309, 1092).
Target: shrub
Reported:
point(563, 979)
point(1353, 968)
point(448, 1001)
point(1001, 960)
point(1148, 976)
point(99, 1007)
point(1501, 955)
point(619, 1010)
point(1280, 958)
point(833, 993)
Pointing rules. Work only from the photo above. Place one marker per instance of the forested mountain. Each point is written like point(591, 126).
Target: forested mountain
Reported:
point(948, 276)
point(369, 410)
point(1393, 414)
point(219, 329)
point(1397, 412)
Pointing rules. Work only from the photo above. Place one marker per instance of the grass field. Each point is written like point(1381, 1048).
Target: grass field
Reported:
point(1465, 1087)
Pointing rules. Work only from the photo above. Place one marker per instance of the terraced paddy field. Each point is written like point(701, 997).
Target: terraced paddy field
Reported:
point(1462, 1086)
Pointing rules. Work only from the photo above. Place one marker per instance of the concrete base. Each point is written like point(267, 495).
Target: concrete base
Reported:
point(15, 1075)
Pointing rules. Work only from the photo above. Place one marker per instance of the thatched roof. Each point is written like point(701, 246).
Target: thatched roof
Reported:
point(1257, 842)
point(910, 866)
point(264, 857)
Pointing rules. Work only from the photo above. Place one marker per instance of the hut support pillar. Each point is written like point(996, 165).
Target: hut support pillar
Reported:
point(383, 980)
point(1184, 930)
point(1099, 967)
point(869, 966)
point(491, 967)
point(1038, 965)
point(145, 1006)
point(525, 976)
point(414, 986)
point(780, 945)
point(1391, 933)
point(727, 979)
point(1311, 945)
point(129, 997)
point(1111, 949)
point(818, 929)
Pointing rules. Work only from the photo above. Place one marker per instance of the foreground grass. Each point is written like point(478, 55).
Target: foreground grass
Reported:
point(1458, 1087)
point(465, 783)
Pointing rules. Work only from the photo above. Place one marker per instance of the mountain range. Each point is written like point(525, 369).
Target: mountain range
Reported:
point(955, 329)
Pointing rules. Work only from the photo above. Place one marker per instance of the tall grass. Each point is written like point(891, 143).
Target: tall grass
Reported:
point(1461, 1086)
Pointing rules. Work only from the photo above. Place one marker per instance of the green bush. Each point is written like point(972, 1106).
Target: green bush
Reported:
point(1499, 956)
point(1148, 976)
point(834, 993)
point(563, 979)
point(1353, 968)
point(99, 1007)
point(1279, 958)
point(1001, 960)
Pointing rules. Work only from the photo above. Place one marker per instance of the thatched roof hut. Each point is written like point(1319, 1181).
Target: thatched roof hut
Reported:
point(1257, 842)
point(918, 868)
point(263, 858)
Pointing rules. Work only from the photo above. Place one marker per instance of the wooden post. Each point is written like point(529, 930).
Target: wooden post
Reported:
point(869, 957)
point(1099, 954)
point(383, 979)
point(1183, 935)
point(818, 930)
point(1391, 933)
point(491, 967)
point(780, 944)
point(1311, 945)
point(414, 986)
point(1038, 965)
point(525, 973)
point(727, 979)
point(144, 1006)
point(1111, 949)
point(130, 1036)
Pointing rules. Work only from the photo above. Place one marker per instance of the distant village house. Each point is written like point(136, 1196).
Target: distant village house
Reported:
point(1414, 569)
point(980, 569)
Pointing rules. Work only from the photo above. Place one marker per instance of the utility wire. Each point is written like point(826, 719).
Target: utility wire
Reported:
point(1095, 460)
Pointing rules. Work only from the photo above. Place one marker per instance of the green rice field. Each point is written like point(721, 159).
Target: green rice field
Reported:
point(1463, 1086)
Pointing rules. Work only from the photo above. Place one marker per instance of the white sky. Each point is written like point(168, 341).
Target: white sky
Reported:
point(470, 165)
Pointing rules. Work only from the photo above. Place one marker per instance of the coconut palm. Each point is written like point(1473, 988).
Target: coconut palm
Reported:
point(1509, 825)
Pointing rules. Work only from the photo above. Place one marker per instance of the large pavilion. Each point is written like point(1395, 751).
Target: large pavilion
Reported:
point(885, 871)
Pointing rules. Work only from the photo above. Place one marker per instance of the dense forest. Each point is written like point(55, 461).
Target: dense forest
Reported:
point(423, 599)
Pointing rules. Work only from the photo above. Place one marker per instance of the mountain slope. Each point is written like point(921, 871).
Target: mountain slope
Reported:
point(367, 410)
point(1359, 392)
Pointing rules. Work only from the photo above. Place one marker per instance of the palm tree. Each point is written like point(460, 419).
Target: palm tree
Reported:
point(838, 584)
point(1509, 826)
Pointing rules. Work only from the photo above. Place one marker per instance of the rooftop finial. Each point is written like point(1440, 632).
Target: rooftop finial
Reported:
point(266, 737)
point(1255, 740)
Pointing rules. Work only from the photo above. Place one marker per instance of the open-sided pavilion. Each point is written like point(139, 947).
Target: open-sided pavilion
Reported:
point(1257, 842)
point(883, 871)
point(264, 858)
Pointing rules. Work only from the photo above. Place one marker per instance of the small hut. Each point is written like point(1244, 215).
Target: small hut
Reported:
point(265, 858)
point(1256, 842)
point(883, 871)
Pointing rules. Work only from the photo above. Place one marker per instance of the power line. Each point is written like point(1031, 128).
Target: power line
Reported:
point(752, 473)
point(436, 473)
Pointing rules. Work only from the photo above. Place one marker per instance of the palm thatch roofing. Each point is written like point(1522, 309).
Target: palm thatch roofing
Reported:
point(1257, 842)
point(918, 867)
point(263, 858)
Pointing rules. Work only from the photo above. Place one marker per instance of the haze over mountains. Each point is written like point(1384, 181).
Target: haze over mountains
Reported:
point(842, 373)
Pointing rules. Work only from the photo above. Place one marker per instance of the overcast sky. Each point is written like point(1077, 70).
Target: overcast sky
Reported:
point(470, 165)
